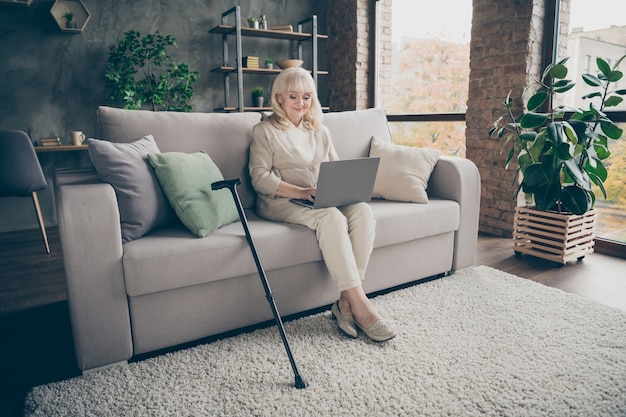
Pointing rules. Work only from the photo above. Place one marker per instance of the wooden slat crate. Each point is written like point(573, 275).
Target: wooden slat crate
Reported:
point(554, 236)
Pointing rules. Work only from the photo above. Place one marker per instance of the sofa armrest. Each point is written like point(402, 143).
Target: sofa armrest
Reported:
point(89, 228)
point(457, 179)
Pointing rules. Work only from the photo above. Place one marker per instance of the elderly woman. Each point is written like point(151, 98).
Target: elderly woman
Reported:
point(285, 157)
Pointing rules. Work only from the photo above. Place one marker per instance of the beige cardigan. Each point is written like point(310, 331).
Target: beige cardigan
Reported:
point(293, 155)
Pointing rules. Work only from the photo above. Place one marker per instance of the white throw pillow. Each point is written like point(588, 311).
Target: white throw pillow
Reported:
point(403, 172)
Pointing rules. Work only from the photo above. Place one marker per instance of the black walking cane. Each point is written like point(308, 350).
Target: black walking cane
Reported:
point(232, 186)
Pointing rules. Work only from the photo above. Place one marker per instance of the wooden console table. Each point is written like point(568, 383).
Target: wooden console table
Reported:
point(60, 148)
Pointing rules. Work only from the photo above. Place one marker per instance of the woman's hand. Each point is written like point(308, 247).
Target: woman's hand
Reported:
point(307, 194)
point(288, 190)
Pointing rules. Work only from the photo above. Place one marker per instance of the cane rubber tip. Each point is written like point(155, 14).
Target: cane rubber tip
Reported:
point(301, 383)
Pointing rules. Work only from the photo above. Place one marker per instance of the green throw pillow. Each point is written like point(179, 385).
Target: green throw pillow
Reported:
point(186, 181)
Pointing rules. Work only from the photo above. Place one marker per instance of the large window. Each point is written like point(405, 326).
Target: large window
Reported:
point(429, 73)
point(594, 32)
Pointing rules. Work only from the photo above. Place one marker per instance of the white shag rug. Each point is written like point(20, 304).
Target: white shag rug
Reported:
point(478, 343)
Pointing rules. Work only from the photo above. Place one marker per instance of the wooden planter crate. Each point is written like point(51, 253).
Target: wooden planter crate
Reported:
point(558, 237)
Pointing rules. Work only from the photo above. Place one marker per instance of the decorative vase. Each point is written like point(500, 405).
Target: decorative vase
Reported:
point(558, 237)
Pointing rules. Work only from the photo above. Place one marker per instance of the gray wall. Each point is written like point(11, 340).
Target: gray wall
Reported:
point(52, 82)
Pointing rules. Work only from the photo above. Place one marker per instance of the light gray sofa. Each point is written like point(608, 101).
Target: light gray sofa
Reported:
point(170, 287)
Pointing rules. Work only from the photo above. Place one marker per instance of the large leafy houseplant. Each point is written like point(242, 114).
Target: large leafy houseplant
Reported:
point(560, 150)
point(140, 74)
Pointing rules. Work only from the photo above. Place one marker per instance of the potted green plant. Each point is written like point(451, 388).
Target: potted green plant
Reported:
point(257, 96)
point(269, 63)
point(253, 22)
point(140, 73)
point(69, 16)
point(560, 150)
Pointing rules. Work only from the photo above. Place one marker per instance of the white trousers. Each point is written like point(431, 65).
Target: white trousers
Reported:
point(346, 239)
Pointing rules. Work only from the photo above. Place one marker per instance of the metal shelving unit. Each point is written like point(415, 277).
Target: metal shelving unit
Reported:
point(238, 71)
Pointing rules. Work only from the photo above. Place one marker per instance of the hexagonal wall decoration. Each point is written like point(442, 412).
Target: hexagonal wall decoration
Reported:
point(62, 10)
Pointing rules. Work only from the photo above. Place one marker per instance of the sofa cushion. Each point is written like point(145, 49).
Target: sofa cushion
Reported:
point(224, 136)
point(170, 258)
point(186, 180)
point(352, 131)
point(403, 172)
point(141, 202)
point(398, 222)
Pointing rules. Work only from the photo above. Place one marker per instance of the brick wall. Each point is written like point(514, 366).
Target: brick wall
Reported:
point(384, 52)
point(505, 54)
point(349, 48)
point(348, 54)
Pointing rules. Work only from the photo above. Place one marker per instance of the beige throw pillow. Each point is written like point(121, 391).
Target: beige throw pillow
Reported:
point(403, 171)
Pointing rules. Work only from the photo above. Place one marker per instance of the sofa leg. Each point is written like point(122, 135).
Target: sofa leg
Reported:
point(99, 368)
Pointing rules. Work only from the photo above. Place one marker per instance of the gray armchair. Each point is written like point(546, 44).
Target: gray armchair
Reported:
point(20, 172)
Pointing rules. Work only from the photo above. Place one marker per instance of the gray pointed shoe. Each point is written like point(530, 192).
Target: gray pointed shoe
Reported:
point(346, 323)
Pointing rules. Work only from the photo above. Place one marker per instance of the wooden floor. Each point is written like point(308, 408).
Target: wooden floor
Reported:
point(599, 277)
point(30, 278)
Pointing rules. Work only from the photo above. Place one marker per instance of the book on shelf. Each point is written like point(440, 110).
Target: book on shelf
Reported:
point(250, 61)
point(56, 141)
point(283, 28)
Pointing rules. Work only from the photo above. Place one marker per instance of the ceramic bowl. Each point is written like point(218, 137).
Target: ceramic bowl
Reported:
point(288, 63)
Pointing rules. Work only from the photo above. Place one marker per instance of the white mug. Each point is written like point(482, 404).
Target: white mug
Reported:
point(77, 137)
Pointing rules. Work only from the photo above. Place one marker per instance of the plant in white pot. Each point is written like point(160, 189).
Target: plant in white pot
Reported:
point(253, 22)
point(257, 97)
point(560, 150)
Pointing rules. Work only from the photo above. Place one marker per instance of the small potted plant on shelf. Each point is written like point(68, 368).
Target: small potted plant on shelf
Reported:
point(560, 150)
point(257, 96)
point(269, 63)
point(253, 22)
point(69, 16)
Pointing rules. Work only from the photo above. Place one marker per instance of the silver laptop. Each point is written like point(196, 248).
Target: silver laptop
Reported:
point(342, 182)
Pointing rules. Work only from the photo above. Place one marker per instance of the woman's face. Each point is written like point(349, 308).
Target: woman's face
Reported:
point(295, 104)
